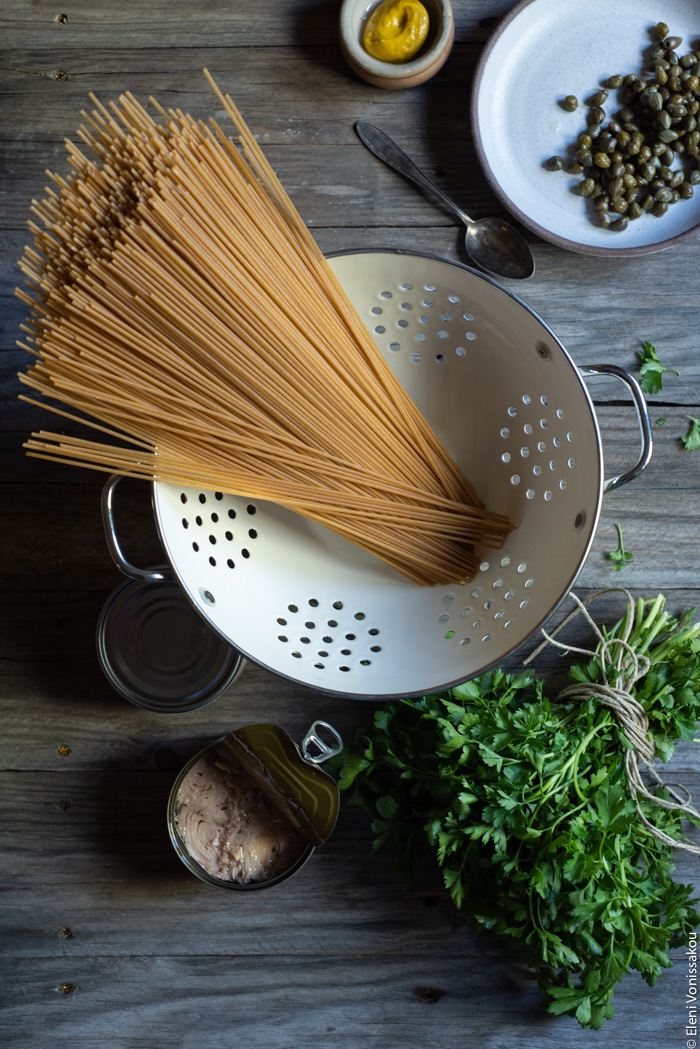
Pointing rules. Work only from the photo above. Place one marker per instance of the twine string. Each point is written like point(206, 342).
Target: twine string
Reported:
point(621, 668)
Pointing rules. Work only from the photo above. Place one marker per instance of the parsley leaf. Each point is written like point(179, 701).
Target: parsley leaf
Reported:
point(652, 369)
point(524, 804)
point(691, 439)
point(619, 557)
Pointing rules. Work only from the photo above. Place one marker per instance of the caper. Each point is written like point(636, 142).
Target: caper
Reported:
point(671, 43)
point(597, 114)
point(660, 74)
point(629, 180)
point(692, 141)
point(593, 130)
point(619, 205)
point(614, 81)
point(675, 196)
point(677, 111)
point(674, 83)
point(688, 61)
point(574, 168)
point(694, 178)
point(586, 187)
point(668, 135)
point(648, 202)
point(584, 141)
point(623, 139)
point(634, 211)
point(619, 224)
point(686, 190)
point(602, 202)
point(604, 219)
point(692, 83)
point(599, 98)
point(601, 160)
point(584, 156)
point(661, 30)
point(570, 103)
point(554, 164)
point(665, 195)
point(614, 128)
point(676, 178)
point(660, 208)
point(655, 101)
point(689, 122)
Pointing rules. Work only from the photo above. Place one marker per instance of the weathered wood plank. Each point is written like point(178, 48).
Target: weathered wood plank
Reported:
point(245, 24)
point(382, 1003)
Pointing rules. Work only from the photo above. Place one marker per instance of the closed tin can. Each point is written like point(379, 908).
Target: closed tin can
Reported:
point(158, 652)
point(249, 810)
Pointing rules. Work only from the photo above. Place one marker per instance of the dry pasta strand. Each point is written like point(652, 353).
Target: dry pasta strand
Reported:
point(181, 308)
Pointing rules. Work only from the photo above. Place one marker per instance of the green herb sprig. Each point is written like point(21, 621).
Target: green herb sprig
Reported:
point(619, 557)
point(652, 370)
point(524, 803)
point(691, 439)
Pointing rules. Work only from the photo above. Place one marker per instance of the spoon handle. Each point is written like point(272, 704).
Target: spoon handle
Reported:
point(386, 149)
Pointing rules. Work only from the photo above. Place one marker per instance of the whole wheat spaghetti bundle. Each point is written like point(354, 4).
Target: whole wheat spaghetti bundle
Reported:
point(179, 302)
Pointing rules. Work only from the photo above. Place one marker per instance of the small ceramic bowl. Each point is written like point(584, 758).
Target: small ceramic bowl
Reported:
point(431, 57)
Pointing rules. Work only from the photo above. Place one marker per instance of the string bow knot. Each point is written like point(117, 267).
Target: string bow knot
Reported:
point(621, 668)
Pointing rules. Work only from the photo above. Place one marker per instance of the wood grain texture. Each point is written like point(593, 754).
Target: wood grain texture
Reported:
point(105, 939)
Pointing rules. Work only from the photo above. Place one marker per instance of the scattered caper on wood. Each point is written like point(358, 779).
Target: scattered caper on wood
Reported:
point(627, 164)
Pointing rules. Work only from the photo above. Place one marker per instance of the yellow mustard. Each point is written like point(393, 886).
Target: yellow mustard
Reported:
point(396, 30)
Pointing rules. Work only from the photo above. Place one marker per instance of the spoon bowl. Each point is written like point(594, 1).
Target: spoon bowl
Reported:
point(492, 244)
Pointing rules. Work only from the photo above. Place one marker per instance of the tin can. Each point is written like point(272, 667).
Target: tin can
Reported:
point(158, 652)
point(287, 780)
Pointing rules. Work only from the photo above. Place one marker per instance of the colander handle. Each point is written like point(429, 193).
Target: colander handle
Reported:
point(152, 575)
point(647, 443)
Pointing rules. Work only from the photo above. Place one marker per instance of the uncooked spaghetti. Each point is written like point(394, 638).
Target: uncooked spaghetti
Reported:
point(181, 305)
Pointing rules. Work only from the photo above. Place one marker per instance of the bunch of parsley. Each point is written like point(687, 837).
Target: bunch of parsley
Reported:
point(524, 803)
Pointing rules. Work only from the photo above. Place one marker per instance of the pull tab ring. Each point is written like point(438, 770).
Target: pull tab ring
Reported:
point(322, 750)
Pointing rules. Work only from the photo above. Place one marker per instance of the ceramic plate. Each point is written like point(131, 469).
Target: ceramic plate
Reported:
point(540, 52)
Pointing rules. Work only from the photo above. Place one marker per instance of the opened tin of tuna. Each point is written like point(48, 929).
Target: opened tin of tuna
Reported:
point(157, 651)
point(249, 810)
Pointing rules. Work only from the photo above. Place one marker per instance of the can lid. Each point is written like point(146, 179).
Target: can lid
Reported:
point(158, 652)
point(308, 796)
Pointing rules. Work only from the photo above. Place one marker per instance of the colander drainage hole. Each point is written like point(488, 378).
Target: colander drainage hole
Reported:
point(183, 498)
point(185, 523)
point(251, 509)
point(198, 520)
point(232, 514)
point(218, 496)
point(202, 497)
point(313, 602)
point(207, 596)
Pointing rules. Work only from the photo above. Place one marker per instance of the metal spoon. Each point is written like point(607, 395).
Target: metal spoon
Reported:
point(492, 244)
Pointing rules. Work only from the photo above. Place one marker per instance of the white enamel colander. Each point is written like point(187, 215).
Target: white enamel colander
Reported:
point(510, 406)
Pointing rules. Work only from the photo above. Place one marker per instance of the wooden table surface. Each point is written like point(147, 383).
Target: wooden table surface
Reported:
point(107, 941)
